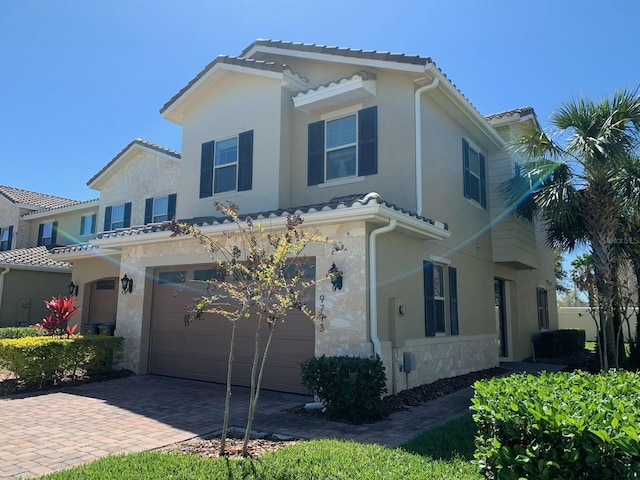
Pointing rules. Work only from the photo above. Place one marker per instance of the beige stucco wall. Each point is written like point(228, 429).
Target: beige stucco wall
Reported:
point(68, 226)
point(10, 216)
point(140, 175)
point(238, 103)
point(395, 180)
point(24, 293)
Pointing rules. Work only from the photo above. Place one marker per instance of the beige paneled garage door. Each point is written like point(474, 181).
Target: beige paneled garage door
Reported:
point(199, 349)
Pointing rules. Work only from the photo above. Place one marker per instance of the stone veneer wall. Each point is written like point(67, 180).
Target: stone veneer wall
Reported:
point(444, 357)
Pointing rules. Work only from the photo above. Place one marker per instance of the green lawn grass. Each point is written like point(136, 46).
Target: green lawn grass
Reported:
point(442, 453)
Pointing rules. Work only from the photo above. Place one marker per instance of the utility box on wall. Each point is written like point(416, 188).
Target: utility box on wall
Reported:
point(409, 361)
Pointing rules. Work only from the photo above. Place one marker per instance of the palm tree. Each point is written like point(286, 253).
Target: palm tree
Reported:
point(573, 179)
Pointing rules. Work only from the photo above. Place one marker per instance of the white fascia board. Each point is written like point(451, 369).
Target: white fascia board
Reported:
point(339, 92)
point(333, 58)
point(378, 213)
point(71, 256)
point(482, 123)
point(36, 268)
point(174, 113)
point(56, 211)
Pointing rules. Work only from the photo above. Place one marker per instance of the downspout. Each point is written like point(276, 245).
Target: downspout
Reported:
point(418, 137)
point(373, 285)
point(2, 274)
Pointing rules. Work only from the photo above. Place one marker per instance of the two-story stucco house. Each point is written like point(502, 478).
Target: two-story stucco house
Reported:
point(31, 223)
point(381, 153)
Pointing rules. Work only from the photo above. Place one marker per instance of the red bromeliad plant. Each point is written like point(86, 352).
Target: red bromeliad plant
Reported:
point(62, 309)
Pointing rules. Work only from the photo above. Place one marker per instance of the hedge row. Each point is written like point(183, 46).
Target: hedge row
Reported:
point(20, 332)
point(559, 426)
point(44, 360)
point(559, 342)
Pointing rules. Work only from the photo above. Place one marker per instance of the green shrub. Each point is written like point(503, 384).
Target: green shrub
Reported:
point(559, 426)
point(20, 332)
point(43, 360)
point(350, 387)
point(559, 342)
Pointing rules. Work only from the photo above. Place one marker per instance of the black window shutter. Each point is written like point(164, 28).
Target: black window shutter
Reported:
point(483, 182)
point(429, 304)
point(107, 219)
point(315, 158)
point(206, 169)
point(368, 141)
point(93, 223)
point(82, 225)
point(40, 229)
point(171, 210)
point(245, 160)
point(10, 237)
point(148, 210)
point(465, 168)
point(453, 300)
point(54, 233)
point(127, 215)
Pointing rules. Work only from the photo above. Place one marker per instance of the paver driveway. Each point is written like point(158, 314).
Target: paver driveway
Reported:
point(46, 432)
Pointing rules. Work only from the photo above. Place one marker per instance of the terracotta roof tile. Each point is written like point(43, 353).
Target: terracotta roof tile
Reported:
point(78, 203)
point(523, 112)
point(137, 141)
point(32, 257)
point(35, 199)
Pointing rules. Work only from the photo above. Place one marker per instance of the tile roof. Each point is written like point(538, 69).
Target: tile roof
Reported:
point(137, 141)
point(336, 203)
point(76, 204)
point(82, 247)
point(35, 199)
point(523, 112)
point(230, 60)
point(363, 75)
point(341, 51)
point(31, 257)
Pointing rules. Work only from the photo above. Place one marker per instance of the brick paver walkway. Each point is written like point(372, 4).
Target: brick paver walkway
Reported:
point(51, 431)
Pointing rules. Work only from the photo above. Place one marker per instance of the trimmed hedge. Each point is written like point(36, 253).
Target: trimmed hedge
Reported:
point(40, 361)
point(351, 387)
point(20, 332)
point(559, 342)
point(559, 426)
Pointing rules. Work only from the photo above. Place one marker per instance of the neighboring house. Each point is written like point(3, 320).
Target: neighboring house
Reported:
point(30, 224)
point(439, 279)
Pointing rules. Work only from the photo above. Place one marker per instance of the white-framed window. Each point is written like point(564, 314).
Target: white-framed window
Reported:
point(88, 224)
point(474, 173)
point(47, 233)
point(341, 147)
point(225, 165)
point(160, 209)
point(5, 238)
point(117, 216)
point(542, 301)
point(439, 297)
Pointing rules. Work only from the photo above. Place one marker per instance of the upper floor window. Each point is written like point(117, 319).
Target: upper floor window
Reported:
point(343, 147)
point(542, 300)
point(160, 209)
point(47, 233)
point(474, 174)
point(117, 216)
point(441, 299)
point(227, 165)
point(88, 224)
point(6, 235)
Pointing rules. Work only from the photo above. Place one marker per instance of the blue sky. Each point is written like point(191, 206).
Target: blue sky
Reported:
point(80, 79)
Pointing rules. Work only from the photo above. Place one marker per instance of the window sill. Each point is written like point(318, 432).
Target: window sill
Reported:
point(225, 195)
point(341, 181)
point(476, 204)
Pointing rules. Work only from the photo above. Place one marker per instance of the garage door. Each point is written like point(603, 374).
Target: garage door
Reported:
point(199, 349)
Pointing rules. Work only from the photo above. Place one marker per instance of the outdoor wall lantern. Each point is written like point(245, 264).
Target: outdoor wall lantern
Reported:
point(73, 289)
point(127, 284)
point(335, 275)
